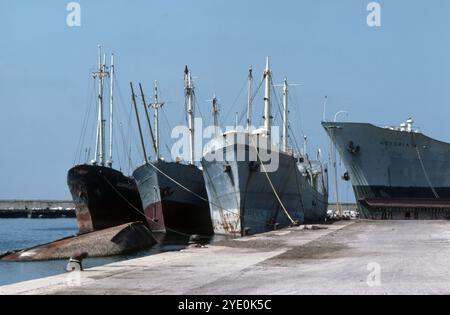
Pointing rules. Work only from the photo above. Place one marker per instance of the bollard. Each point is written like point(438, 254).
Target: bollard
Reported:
point(195, 240)
point(75, 262)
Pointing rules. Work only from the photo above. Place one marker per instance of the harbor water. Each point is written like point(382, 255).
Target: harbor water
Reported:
point(24, 233)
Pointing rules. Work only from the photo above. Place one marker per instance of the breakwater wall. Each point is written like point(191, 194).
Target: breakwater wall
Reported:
point(36, 209)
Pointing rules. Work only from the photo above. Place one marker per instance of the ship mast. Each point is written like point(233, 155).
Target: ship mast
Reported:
point(111, 112)
point(133, 98)
point(148, 117)
point(305, 145)
point(267, 99)
point(97, 135)
point(250, 98)
point(189, 92)
point(285, 115)
point(100, 75)
point(215, 110)
point(156, 105)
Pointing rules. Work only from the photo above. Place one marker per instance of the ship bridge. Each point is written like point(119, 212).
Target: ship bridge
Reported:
point(407, 126)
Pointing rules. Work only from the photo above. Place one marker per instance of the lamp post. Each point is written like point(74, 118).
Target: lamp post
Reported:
point(333, 149)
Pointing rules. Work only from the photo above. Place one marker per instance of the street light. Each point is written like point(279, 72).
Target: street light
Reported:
point(334, 157)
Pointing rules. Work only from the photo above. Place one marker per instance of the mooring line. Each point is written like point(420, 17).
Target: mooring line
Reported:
point(197, 195)
point(426, 174)
point(139, 211)
point(271, 184)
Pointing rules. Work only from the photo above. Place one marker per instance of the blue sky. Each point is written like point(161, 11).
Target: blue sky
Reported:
point(380, 75)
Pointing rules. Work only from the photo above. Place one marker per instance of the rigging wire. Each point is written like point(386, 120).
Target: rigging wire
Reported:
point(116, 135)
point(93, 130)
point(227, 115)
point(170, 128)
point(293, 97)
point(183, 117)
point(295, 139)
point(118, 145)
point(121, 131)
point(197, 106)
point(129, 143)
point(296, 101)
point(279, 111)
point(81, 140)
point(255, 94)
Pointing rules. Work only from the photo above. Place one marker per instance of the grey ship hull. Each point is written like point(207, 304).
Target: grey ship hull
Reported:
point(243, 202)
point(169, 207)
point(395, 174)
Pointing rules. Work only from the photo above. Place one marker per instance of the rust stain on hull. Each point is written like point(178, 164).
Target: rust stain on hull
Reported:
point(230, 223)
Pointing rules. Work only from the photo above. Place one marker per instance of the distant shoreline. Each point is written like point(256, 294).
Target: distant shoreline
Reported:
point(36, 209)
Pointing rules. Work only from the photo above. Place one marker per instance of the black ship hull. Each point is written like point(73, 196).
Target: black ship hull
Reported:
point(103, 198)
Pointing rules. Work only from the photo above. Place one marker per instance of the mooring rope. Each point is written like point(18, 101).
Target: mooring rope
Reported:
point(197, 195)
point(177, 183)
point(139, 211)
point(183, 187)
point(426, 174)
point(271, 184)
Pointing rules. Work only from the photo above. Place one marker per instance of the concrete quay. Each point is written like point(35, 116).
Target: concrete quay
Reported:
point(350, 257)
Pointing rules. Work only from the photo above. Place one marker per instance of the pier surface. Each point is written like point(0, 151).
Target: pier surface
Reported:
point(352, 257)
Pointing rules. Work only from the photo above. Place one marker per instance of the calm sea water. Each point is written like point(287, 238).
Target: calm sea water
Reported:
point(24, 233)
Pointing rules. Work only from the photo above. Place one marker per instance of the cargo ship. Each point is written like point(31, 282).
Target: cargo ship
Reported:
point(396, 172)
point(248, 193)
point(103, 196)
point(173, 193)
